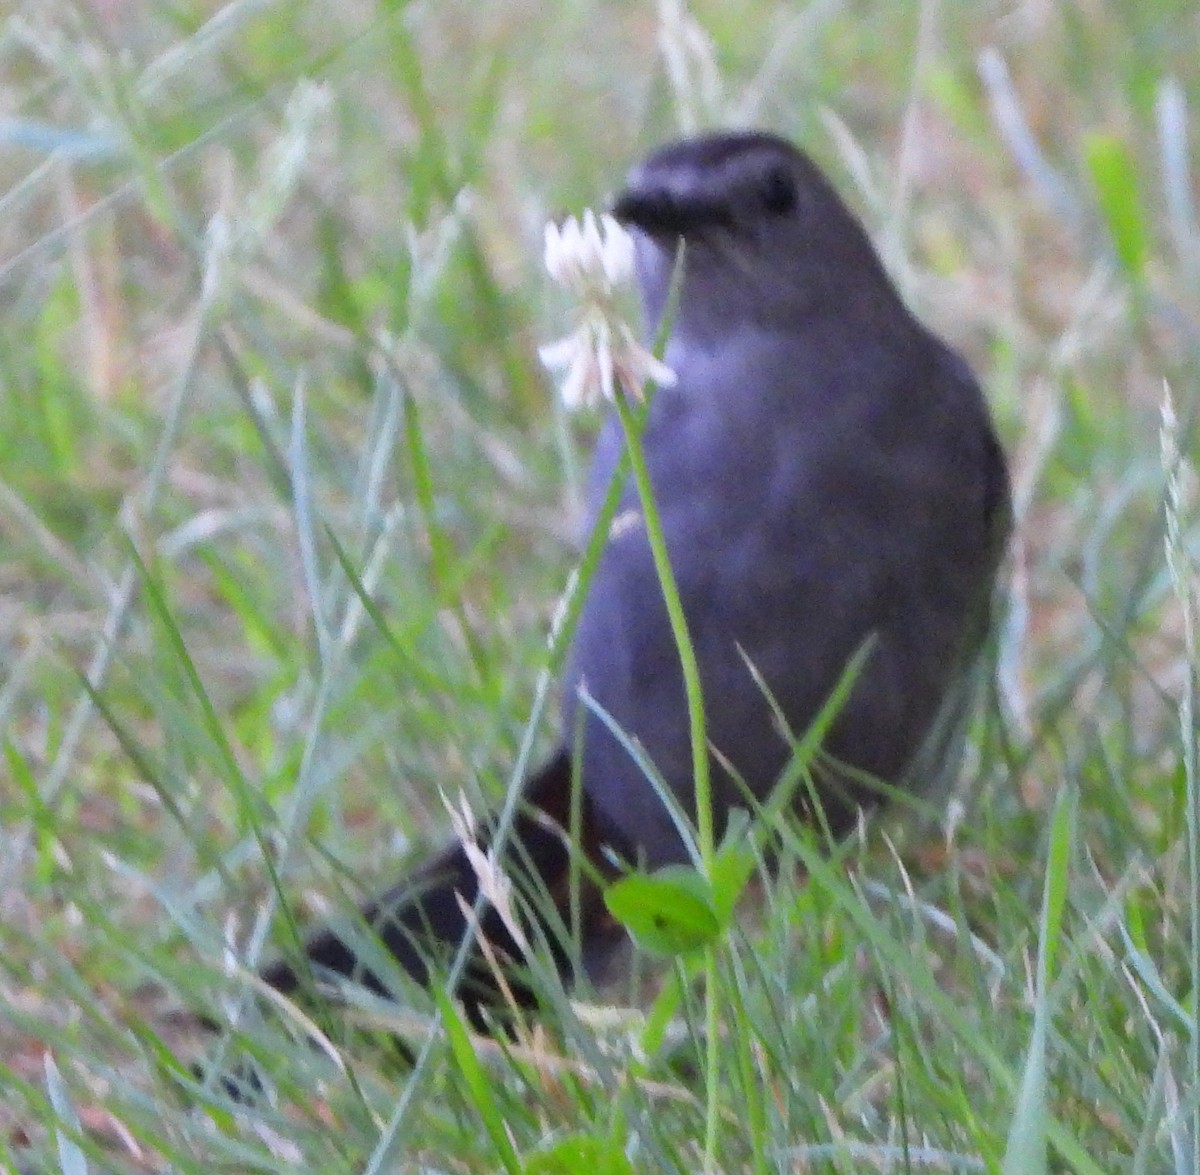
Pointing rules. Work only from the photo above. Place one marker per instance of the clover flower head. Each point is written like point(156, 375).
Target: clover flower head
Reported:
point(601, 355)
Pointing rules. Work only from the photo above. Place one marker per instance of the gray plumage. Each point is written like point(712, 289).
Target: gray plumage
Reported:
point(826, 472)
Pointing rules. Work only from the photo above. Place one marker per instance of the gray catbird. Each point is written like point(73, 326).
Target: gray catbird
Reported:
point(828, 481)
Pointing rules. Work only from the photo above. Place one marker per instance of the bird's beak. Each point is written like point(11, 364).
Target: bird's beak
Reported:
point(649, 211)
point(663, 213)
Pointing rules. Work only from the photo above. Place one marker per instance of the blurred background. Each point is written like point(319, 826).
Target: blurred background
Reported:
point(287, 504)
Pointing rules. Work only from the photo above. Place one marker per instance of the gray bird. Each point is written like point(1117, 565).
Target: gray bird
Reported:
point(828, 480)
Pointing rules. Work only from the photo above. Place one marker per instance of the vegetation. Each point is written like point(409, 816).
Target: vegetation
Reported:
point(287, 504)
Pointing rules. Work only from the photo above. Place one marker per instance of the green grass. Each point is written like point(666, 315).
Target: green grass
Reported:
point(286, 507)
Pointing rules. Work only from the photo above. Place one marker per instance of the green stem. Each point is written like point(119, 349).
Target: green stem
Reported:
point(679, 629)
point(700, 766)
point(712, 1058)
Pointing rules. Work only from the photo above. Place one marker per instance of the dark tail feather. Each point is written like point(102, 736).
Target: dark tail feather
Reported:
point(422, 919)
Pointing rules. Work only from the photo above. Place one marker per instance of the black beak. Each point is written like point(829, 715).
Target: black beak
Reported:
point(668, 214)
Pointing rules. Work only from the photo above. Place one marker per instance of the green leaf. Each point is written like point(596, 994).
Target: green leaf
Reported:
point(71, 1158)
point(1114, 174)
point(478, 1085)
point(1028, 1135)
point(1025, 1153)
point(662, 1012)
point(670, 912)
point(579, 1154)
point(731, 869)
point(1062, 833)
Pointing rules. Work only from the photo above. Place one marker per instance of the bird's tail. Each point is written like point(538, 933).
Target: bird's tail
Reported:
point(421, 922)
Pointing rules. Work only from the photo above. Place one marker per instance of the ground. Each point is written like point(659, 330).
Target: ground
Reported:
point(287, 506)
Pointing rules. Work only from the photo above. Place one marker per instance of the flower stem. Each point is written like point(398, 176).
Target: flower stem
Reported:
point(700, 764)
point(679, 630)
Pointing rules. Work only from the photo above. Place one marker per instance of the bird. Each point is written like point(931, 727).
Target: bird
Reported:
point(829, 481)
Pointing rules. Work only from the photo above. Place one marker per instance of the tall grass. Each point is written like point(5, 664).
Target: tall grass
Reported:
point(286, 508)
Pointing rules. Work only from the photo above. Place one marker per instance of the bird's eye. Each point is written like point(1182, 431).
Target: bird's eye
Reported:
point(779, 191)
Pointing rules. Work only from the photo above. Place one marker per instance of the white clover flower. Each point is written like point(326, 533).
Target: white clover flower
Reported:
point(592, 258)
point(601, 354)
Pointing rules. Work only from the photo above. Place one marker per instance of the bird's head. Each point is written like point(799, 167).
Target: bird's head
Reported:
point(761, 236)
